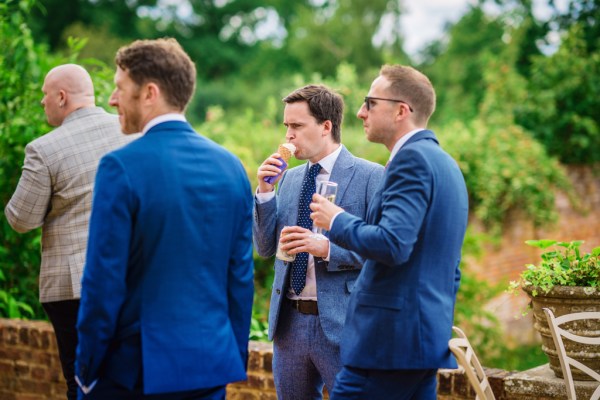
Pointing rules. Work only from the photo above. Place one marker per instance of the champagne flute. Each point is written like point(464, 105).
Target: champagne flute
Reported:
point(328, 190)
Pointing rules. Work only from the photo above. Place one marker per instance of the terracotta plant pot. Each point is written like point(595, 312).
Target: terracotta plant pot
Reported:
point(566, 300)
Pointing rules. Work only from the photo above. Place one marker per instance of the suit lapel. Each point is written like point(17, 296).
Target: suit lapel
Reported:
point(289, 189)
point(289, 193)
point(342, 172)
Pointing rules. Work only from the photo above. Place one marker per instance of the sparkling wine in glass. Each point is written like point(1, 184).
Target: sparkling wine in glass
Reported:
point(328, 190)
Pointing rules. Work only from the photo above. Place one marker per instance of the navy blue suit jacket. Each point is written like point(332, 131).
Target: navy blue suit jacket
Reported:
point(401, 310)
point(168, 281)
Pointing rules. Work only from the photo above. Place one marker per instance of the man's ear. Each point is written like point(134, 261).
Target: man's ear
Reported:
point(327, 127)
point(151, 92)
point(403, 112)
point(62, 98)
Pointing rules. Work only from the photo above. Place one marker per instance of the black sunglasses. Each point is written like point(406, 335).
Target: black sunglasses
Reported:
point(368, 102)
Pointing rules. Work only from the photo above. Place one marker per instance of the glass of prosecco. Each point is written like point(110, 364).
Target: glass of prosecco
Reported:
point(328, 190)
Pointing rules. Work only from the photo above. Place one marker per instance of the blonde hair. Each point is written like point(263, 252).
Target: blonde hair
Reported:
point(161, 61)
point(413, 87)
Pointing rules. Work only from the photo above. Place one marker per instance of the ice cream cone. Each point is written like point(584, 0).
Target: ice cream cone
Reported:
point(286, 150)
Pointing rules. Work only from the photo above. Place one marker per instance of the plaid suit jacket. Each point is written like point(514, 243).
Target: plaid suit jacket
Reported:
point(55, 192)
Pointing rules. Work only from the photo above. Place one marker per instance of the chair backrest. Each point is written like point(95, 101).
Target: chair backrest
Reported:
point(468, 361)
point(566, 362)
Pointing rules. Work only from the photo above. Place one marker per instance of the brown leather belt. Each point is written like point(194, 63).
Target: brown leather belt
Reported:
point(305, 306)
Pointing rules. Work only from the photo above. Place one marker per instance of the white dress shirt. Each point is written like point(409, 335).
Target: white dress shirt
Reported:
point(163, 118)
point(310, 289)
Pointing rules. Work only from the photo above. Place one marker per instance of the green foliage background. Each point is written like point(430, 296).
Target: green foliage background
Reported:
point(23, 66)
point(510, 115)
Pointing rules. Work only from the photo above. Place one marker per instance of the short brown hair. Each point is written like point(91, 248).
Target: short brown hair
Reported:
point(413, 87)
point(324, 104)
point(162, 62)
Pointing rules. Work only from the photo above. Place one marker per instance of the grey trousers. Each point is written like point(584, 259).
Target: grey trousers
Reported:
point(303, 358)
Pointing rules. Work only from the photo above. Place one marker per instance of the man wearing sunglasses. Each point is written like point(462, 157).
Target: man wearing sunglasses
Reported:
point(400, 315)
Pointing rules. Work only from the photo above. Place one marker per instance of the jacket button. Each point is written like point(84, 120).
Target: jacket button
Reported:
point(278, 291)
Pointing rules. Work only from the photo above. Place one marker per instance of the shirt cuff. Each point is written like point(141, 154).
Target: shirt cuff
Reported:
point(328, 251)
point(264, 197)
point(85, 389)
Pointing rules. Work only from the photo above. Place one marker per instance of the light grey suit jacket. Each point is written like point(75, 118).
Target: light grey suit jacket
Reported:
point(357, 180)
point(55, 192)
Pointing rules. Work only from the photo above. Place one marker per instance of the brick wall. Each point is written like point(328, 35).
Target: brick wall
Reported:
point(259, 385)
point(30, 370)
point(29, 364)
point(503, 261)
point(506, 259)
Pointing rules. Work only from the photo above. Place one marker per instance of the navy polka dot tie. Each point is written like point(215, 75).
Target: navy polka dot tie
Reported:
point(309, 187)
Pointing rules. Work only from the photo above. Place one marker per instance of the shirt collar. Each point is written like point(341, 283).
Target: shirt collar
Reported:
point(163, 118)
point(402, 141)
point(328, 161)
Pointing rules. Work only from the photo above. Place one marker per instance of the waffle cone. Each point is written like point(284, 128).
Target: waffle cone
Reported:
point(286, 151)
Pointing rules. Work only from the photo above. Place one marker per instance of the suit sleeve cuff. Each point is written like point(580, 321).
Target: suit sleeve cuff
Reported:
point(85, 389)
point(333, 219)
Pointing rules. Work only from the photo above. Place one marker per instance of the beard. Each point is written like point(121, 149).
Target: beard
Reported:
point(131, 122)
point(130, 117)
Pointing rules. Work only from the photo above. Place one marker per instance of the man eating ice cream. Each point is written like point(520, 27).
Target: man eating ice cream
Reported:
point(310, 294)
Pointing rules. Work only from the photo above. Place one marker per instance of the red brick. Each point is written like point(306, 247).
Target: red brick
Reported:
point(20, 396)
point(6, 395)
point(256, 381)
point(445, 381)
point(269, 382)
point(268, 396)
point(237, 385)
point(20, 353)
point(41, 374)
point(255, 361)
point(55, 375)
point(7, 385)
point(242, 395)
point(24, 335)
point(268, 361)
point(42, 358)
point(28, 386)
point(21, 368)
point(11, 335)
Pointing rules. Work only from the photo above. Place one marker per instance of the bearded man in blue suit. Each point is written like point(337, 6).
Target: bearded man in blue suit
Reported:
point(168, 282)
point(401, 311)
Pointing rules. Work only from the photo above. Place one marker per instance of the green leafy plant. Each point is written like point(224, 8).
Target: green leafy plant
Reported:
point(24, 65)
point(11, 307)
point(505, 170)
point(564, 264)
point(259, 327)
point(559, 109)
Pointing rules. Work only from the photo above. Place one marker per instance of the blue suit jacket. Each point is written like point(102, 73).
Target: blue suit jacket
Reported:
point(357, 181)
point(401, 311)
point(168, 281)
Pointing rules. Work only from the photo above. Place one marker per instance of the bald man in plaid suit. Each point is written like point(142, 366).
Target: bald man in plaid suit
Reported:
point(55, 192)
